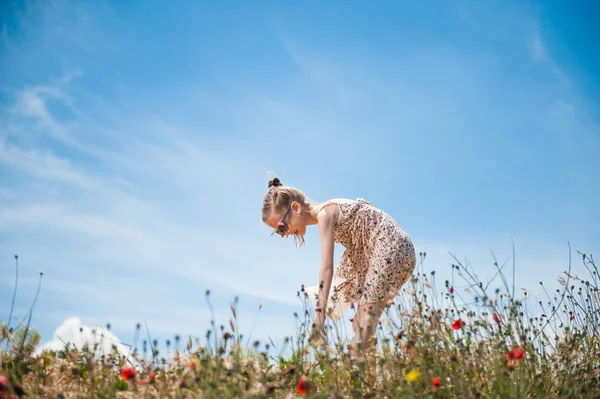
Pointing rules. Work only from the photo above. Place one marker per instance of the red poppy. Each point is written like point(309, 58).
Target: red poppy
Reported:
point(516, 354)
point(452, 290)
point(3, 383)
point(436, 383)
point(458, 323)
point(303, 385)
point(496, 318)
point(192, 366)
point(151, 377)
point(128, 373)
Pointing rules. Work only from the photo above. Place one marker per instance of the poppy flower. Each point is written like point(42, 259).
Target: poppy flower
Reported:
point(128, 373)
point(303, 385)
point(451, 290)
point(436, 383)
point(496, 318)
point(458, 323)
point(149, 379)
point(3, 383)
point(516, 354)
point(192, 366)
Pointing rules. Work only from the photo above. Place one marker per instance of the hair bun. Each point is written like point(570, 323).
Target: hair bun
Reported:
point(275, 182)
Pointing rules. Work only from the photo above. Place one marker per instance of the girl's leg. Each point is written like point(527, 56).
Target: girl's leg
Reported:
point(365, 323)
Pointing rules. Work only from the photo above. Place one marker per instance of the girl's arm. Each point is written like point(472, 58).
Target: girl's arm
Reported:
point(326, 218)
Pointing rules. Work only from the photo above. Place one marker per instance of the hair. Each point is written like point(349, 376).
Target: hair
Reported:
point(280, 197)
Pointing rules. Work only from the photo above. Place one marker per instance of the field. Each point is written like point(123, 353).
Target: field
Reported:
point(433, 342)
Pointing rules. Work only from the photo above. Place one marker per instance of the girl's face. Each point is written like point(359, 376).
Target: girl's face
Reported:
point(289, 222)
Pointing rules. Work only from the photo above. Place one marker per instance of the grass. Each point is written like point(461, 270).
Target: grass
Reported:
point(436, 341)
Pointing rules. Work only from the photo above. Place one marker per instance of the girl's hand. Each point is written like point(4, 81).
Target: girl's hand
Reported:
point(318, 333)
point(320, 320)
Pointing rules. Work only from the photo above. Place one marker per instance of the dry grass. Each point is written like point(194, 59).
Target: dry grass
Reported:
point(434, 342)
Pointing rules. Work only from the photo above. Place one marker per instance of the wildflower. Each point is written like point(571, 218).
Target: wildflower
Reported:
point(291, 369)
point(192, 366)
point(3, 383)
point(409, 350)
point(516, 354)
point(412, 375)
point(128, 373)
point(149, 379)
point(458, 323)
point(496, 318)
point(303, 385)
point(451, 290)
point(270, 387)
point(19, 390)
point(435, 383)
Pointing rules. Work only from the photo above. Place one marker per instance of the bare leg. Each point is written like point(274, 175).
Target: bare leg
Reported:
point(365, 323)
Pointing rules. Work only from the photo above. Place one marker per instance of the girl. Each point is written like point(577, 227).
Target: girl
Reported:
point(378, 259)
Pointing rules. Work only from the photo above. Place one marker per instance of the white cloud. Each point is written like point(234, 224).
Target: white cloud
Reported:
point(43, 164)
point(540, 54)
point(537, 50)
point(32, 103)
point(76, 334)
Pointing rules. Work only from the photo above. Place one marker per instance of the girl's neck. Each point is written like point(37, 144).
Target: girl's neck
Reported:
point(311, 216)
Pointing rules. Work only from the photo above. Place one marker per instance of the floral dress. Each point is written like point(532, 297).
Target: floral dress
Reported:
point(379, 256)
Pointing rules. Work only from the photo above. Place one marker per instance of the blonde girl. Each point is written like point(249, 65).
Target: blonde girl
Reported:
point(378, 259)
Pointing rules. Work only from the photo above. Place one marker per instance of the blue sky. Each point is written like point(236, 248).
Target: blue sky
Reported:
point(136, 140)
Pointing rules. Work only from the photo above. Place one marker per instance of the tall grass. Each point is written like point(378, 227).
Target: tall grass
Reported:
point(455, 338)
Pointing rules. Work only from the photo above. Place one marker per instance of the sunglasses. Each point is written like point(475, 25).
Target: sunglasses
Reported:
point(282, 228)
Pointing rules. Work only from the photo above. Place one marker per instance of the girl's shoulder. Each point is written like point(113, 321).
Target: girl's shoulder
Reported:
point(335, 201)
point(342, 201)
point(342, 204)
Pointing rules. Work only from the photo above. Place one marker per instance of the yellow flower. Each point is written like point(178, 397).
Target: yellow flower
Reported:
point(412, 375)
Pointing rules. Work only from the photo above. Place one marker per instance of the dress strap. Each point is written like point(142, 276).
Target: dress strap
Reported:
point(331, 202)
